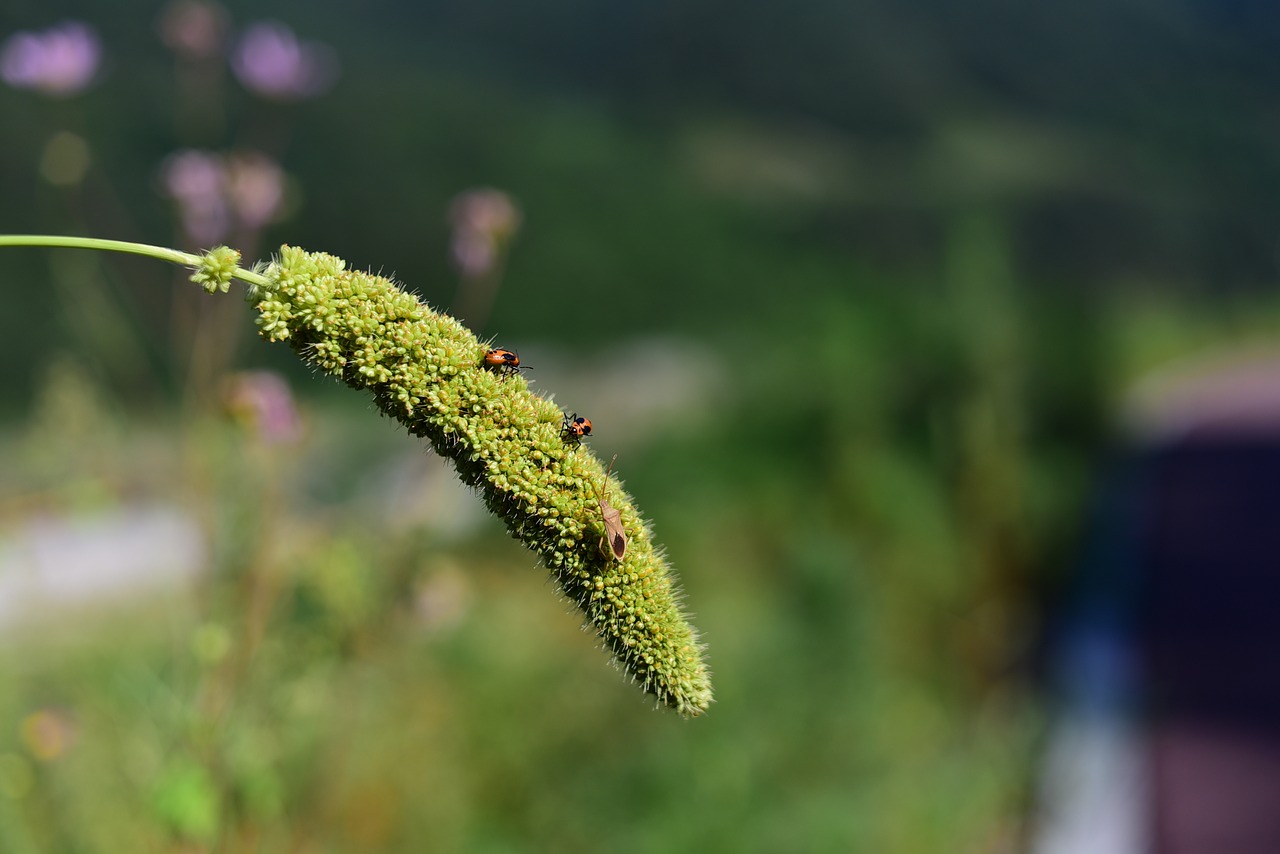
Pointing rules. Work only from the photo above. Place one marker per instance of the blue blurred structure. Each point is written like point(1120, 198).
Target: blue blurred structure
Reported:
point(1169, 738)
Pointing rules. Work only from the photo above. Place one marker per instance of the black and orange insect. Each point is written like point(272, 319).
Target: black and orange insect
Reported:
point(503, 361)
point(575, 427)
point(612, 517)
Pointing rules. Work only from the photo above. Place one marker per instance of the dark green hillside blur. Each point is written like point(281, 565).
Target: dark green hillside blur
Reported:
point(857, 292)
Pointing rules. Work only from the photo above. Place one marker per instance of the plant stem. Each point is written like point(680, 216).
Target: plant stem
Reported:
point(173, 256)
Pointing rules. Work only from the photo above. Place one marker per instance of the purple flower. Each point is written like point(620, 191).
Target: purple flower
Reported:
point(60, 61)
point(216, 192)
point(194, 29)
point(195, 180)
point(484, 221)
point(255, 188)
point(271, 61)
point(263, 402)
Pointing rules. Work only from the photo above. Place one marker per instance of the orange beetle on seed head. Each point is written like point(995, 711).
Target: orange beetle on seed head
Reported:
point(504, 361)
point(575, 426)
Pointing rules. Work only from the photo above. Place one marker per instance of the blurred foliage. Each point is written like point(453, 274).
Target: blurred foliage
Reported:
point(342, 682)
point(925, 249)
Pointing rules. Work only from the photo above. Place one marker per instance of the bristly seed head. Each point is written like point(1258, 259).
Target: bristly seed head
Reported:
point(427, 371)
point(217, 267)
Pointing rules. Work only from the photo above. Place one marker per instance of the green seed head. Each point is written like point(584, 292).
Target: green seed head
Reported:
point(216, 269)
point(426, 370)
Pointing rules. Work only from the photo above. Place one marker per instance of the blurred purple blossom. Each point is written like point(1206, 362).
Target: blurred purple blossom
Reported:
point(255, 187)
point(61, 60)
point(194, 29)
point(194, 179)
point(216, 192)
point(484, 221)
point(472, 254)
point(271, 61)
point(263, 401)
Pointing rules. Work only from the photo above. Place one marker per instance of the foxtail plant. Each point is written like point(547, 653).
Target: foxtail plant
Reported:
point(426, 370)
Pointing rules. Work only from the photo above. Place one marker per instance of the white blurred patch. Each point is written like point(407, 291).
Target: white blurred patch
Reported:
point(635, 391)
point(1093, 793)
point(1230, 393)
point(1093, 789)
point(416, 489)
point(55, 565)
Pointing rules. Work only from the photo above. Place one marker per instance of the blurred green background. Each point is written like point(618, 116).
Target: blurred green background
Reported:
point(856, 292)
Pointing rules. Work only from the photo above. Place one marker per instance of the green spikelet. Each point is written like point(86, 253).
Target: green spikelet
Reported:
point(426, 370)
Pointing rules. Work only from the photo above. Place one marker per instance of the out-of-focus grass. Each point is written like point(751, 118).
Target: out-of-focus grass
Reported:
point(865, 503)
point(366, 664)
point(352, 678)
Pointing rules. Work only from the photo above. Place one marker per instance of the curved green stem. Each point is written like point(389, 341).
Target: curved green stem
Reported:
point(173, 256)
